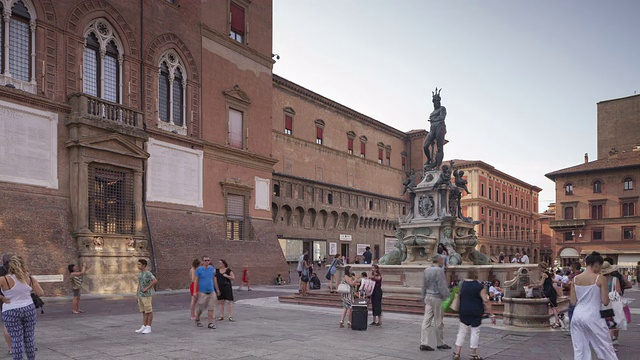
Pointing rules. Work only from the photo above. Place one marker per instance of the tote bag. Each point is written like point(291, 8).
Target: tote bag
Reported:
point(616, 304)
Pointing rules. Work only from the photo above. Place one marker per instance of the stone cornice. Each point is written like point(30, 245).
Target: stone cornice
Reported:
point(319, 99)
point(231, 44)
point(334, 186)
point(40, 102)
point(279, 135)
point(240, 157)
point(467, 164)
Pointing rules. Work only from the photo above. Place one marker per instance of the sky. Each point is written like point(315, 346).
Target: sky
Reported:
point(521, 79)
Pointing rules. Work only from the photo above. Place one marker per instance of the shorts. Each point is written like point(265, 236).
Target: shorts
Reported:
point(207, 301)
point(144, 304)
point(76, 292)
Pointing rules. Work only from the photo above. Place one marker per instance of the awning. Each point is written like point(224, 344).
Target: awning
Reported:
point(569, 253)
point(610, 252)
point(628, 260)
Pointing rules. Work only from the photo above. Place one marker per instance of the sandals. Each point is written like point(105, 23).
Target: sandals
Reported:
point(231, 319)
point(341, 324)
point(198, 323)
point(220, 318)
point(211, 326)
point(456, 356)
point(556, 325)
point(474, 357)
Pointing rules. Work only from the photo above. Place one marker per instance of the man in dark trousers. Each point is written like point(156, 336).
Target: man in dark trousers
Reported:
point(367, 255)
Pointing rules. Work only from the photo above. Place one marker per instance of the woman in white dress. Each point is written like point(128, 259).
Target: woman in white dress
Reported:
point(588, 329)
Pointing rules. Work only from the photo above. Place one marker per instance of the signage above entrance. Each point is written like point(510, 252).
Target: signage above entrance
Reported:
point(345, 237)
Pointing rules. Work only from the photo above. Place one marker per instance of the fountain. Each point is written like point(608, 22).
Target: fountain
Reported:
point(435, 217)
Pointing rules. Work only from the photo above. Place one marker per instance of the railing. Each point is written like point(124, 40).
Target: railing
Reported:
point(571, 223)
point(84, 105)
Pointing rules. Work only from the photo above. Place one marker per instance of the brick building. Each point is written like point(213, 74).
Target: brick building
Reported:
point(597, 201)
point(137, 129)
point(506, 207)
point(547, 237)
point(597, 209)
point(338, 181)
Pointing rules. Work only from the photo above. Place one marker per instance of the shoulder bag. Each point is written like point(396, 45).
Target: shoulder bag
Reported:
point(616, 306)
point(37, 301)
point(344, 288)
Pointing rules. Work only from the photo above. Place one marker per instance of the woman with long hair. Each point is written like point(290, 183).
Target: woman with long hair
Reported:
point(225, 289)
point(347, 298)
point(333, 282)
point(550, 292)
point(376, 296)
point(306, 276)
point(192, 290)
point(18, 310)
point(474, 302)
point(589, 291)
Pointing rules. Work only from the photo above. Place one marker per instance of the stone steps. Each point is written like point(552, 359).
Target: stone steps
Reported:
point(392, 303)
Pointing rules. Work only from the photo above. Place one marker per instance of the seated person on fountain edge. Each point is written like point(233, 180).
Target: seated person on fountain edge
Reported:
point(495, 291)
point(314, 282)
point(279, 280)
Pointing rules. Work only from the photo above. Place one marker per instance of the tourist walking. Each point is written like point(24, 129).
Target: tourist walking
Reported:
point(76, 276)
point(347, 297)
point(331, 273)
point(205, 283)
point(18, 310)
point(589, 292)
point(434, 290)
point(193, 290)
point(245, 278)
point(146, 282)
point(550, 292)
point(376, 296)
point(474, 303)
point(225, 279)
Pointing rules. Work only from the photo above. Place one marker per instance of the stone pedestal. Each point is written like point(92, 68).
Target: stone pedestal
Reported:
point(112, 261)
point(524, 312)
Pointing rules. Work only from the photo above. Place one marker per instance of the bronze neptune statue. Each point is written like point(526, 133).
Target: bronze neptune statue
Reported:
point(436, 134)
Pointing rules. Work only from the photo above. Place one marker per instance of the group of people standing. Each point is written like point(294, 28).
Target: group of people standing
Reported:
point(211, 287)
point(355, 283)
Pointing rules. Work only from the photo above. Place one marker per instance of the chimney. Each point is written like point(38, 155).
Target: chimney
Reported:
point(586, 158)
point(613, 153)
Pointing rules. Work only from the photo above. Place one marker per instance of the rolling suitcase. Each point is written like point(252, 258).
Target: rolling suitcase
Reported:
point(359, 315)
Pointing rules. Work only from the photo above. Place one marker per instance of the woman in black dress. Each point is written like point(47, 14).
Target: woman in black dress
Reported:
point(224, 277)
point(549, 292)
point(376, 296)
point(474, 302)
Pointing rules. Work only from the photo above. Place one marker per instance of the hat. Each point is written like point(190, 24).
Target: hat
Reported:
point(607, 268)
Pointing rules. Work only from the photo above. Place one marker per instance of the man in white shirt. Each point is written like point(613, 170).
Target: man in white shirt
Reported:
point(524, 259)
point(516, 258)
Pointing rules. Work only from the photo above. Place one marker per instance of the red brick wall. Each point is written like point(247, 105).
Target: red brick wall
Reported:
point(615, 119)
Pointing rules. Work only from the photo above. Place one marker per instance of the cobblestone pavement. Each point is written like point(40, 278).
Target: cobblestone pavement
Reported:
point(266, 329)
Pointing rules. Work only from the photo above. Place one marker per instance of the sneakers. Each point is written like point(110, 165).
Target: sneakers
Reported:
point(141, 329)
point(147, 330)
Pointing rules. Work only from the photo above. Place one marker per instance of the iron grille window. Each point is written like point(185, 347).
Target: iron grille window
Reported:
point(236, 219)
point(19, 48)
point(111, 203)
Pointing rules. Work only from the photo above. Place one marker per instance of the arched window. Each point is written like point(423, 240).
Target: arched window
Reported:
point(172, 83)
point(102, 63)
point(568, 213)
point(568, 189)
point(597, 186)
point(628, 184)
point(19, 54)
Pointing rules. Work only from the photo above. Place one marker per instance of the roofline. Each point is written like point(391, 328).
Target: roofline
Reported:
point(301, 90)
point(482, 164)
point(621, 98)
point(551, 176)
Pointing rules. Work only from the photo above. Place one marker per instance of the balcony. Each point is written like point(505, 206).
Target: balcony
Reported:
point(93, 108)
point(567, 224)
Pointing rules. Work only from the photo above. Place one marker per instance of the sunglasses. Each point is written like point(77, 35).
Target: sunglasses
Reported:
point(206, 260)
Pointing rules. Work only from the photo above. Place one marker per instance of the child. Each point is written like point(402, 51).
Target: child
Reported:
point(146, 282)
point(76, 278)
point(245, 278)
point(279, 280)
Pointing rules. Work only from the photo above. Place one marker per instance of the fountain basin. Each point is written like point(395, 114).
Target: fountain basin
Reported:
point(530, 312)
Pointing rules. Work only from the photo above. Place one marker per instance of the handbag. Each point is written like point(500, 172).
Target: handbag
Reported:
point(37, 301)
point(455, 304)
point(344, 288)
point(618, 321)
point(446, 304)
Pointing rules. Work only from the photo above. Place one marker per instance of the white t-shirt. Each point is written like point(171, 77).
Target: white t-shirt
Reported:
point(565, 279)
point(557, 278)
point(515, 260)
point(493, 291)
point(524, 259)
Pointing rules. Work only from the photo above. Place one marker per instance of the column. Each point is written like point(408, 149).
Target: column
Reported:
point(32, 28)
point(6, 17)
point(184, 105)
point(171, 78)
